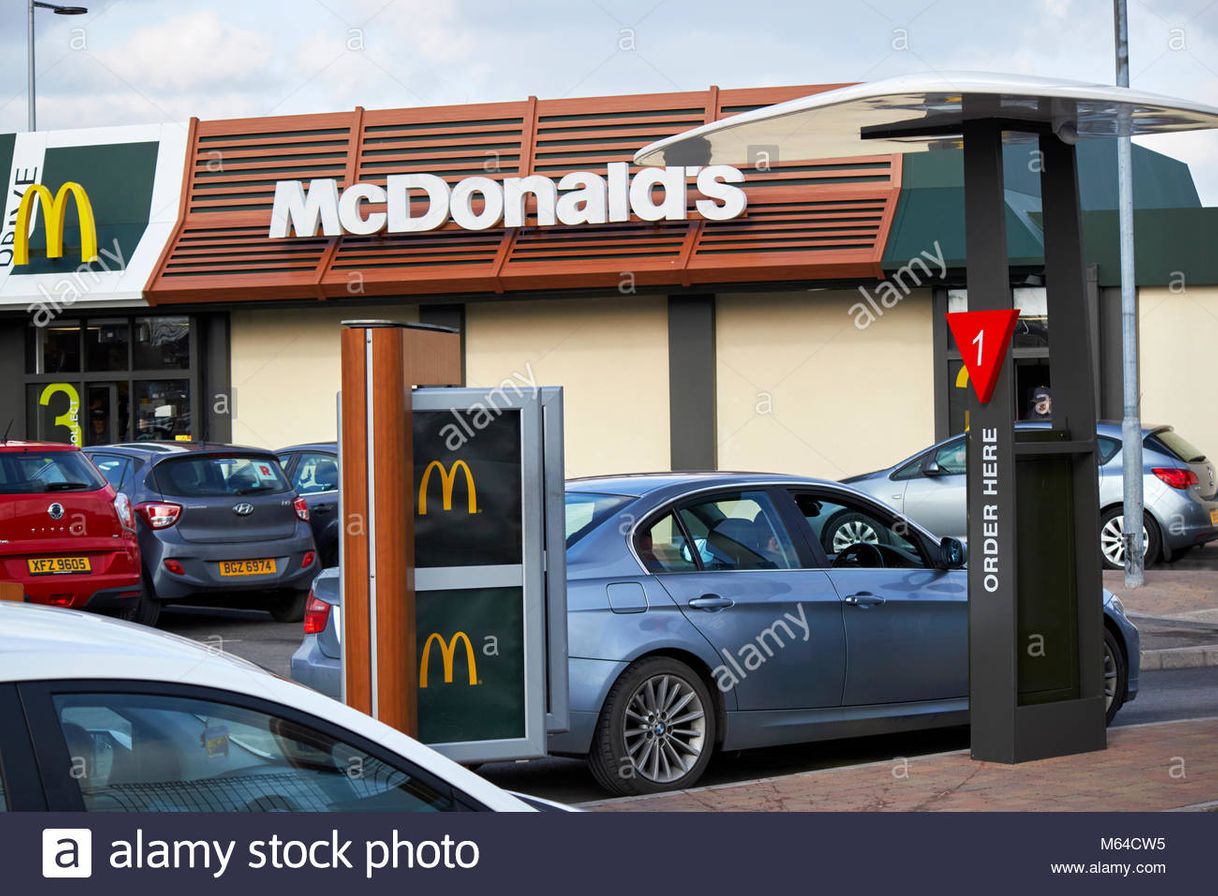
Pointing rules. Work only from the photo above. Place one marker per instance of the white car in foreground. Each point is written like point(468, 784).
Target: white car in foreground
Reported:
point(101, 715)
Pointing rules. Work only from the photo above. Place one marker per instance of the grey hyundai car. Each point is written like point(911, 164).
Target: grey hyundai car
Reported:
point(709, 611)
point(1181, 493)
point(217, 524)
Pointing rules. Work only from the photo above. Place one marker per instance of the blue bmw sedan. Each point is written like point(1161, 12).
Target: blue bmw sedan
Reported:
point(727, 611)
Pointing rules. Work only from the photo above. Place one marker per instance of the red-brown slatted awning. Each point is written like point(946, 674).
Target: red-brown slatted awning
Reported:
point(806, 220)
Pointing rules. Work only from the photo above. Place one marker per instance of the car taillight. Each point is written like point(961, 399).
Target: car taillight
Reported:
point(302, 508)
point(1176, 477)
point(307, 560)
point(159, 514)
point(126, 517)
point(317, 614)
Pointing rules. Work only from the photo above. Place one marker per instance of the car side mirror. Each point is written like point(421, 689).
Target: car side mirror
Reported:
point(951, 553)
point(932, 468)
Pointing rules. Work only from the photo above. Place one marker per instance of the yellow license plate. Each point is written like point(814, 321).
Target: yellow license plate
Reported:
point(1214, 517)
point(247, 567)
point(54, 566)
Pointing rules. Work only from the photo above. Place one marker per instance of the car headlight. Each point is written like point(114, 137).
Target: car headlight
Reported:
point(1117, 605)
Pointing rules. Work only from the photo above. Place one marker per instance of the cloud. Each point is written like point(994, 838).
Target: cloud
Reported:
point(192, 52)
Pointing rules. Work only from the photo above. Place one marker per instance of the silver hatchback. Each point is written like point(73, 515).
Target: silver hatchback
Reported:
point(1178, 482)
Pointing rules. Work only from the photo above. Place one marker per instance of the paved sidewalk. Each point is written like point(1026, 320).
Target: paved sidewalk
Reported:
point(1188, 594)
point(1176, 612)
point(1155, 767)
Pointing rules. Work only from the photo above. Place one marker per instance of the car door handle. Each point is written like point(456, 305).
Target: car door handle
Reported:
point(864, 600)
point(711, 602)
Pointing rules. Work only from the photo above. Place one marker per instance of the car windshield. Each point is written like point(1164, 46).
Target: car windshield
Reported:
point(1181, 447)
point(586, 511)
point(32, 472)
point(219, 476)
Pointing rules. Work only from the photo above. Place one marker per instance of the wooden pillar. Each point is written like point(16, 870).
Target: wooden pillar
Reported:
point(381, 363)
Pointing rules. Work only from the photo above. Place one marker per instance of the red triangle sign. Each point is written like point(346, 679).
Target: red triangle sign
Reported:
point(983, 338)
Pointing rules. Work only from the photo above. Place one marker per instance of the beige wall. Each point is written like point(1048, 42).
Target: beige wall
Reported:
point(800, 388)
point(610, 355)
point(803, 390)
point(1177, 358)
point(285, 371)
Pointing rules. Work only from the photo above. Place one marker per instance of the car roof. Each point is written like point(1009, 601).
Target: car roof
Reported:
point(48, 643)
point(310, 446)
point(23, 445)
point(1113, 428)
point(154, 449)
point(636, 485)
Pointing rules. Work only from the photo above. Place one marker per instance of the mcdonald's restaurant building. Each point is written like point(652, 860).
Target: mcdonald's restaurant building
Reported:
point(785, 315)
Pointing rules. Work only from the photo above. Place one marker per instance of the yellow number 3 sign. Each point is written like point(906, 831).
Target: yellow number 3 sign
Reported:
point(69, 419)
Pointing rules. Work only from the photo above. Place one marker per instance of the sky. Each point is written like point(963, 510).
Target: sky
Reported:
point(143, 61)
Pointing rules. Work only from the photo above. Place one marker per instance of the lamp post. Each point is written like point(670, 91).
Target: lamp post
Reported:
point(1131, 422)
point(59, 10)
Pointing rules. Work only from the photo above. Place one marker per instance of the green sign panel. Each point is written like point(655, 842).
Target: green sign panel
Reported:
point(118, 179)
point(469, 504)
point(471, 664)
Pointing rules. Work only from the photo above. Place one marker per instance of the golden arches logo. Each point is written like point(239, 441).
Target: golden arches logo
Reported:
point(962, 383)
point(448, 654)
point(448, 479)
point(55, 209)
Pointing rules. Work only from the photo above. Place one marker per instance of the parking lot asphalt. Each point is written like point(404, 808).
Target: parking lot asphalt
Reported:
point(249, 634)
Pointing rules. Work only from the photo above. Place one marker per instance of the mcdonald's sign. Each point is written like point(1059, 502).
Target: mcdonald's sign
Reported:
point(448, 653)
point(448, 479)
point(54, 213)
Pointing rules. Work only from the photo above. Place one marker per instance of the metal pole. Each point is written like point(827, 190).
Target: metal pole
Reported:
point(30, 58)
point(1131, 424)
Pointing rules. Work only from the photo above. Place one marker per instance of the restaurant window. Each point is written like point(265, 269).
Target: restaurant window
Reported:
point(118, 378)
point(1029, 349)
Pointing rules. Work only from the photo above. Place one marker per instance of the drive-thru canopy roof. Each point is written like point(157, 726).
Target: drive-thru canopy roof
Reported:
point(915, 113)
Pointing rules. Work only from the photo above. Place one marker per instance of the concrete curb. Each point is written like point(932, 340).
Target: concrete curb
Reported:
point(1202, 656)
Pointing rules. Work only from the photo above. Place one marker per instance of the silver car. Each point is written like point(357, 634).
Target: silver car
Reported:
point(1178, 482)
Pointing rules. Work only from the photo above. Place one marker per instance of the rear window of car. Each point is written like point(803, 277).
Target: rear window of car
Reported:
point(1108, 449)
point(32, 472)
point(587, 510)
point(1178, 446)
point(218, 476)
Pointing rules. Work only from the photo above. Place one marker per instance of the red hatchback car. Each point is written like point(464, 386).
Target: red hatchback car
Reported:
point(65, 536)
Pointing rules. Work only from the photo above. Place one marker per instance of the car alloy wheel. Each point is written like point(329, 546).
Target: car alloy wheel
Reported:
point(1111, 676)
point(851, 532)
point(656, 730)
point(666, 729)
point(1112, 540)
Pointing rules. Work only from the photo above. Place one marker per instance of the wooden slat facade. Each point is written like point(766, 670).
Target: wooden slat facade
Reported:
point(806, 219)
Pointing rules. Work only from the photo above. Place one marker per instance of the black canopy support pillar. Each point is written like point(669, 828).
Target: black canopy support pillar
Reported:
point(1035, 606)
point(991, 463)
